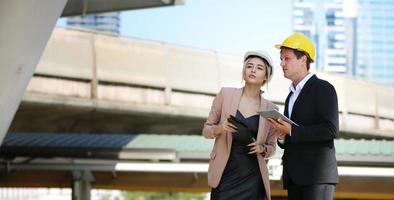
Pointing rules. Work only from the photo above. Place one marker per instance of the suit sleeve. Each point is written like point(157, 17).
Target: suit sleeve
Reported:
point(213, 117)
point(327, 124)
point(282, 144)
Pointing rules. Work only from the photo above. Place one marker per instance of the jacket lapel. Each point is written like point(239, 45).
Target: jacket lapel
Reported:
point(286, 111)
point(262, 122)
point(304, 91)
point(235, 99)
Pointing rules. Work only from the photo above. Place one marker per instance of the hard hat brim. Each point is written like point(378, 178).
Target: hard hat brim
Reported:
point(278, 46)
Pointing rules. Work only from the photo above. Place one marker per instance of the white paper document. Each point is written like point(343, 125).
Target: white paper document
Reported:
point(274, 114)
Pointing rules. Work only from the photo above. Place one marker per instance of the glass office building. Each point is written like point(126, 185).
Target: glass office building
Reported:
point(323, 21)
point(375, 30)
point(106, 22)
point(353, 37)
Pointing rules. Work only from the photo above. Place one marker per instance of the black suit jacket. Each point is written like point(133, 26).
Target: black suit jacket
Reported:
point(309, 153)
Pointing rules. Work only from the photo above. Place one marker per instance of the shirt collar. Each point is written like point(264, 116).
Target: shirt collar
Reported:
point(300, 84)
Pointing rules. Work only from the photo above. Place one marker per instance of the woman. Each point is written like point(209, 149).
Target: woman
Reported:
point(237, 169)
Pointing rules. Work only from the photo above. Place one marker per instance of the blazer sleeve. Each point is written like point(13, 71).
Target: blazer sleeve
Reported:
point(270, 143)
point(327, 124)
point(213, 117)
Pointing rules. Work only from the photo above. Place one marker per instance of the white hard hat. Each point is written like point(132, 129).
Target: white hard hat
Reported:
point(264, 55)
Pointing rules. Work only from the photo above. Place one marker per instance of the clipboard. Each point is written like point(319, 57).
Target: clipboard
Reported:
point(274, 114)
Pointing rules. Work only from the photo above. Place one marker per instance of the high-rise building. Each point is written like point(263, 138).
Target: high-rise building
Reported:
point(323, 21)
point(353, 37)
point(375, 30)
point(107, 22)
point(335, 35)
point(304, 21)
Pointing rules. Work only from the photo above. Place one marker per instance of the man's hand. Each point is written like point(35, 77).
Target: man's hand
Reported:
point(281, 127)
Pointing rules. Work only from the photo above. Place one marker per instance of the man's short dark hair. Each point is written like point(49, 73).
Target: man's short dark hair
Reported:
point(299, 54)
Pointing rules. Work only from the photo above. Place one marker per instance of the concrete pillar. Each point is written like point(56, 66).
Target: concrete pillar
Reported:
point(25, 27)
point(81, 185)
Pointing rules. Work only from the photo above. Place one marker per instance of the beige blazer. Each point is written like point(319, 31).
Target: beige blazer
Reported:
point(226, 104)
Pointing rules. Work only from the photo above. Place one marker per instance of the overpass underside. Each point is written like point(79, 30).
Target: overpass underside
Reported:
point(56, 105)
point(78, 7)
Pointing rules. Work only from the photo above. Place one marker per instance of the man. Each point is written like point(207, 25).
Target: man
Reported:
point(309, 164)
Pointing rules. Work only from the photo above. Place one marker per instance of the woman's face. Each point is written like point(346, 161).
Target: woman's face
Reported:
point(254, 71)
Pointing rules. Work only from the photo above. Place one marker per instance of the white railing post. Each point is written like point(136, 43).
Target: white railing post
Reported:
point(94, 81)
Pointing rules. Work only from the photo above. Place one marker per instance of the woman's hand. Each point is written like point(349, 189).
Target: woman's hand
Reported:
point(255, 148)
point(225, 127)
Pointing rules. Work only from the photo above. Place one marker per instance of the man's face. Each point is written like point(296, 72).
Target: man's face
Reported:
point(291, 66)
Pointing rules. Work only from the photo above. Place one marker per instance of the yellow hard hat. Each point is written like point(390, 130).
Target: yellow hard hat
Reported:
point(300, 42)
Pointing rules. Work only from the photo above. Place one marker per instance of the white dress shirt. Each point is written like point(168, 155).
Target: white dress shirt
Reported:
point(295, 92)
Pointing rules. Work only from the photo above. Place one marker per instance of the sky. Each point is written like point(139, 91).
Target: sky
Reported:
point(226, 26)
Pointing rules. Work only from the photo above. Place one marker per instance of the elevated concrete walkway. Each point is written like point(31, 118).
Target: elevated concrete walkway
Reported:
point(157, 86)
